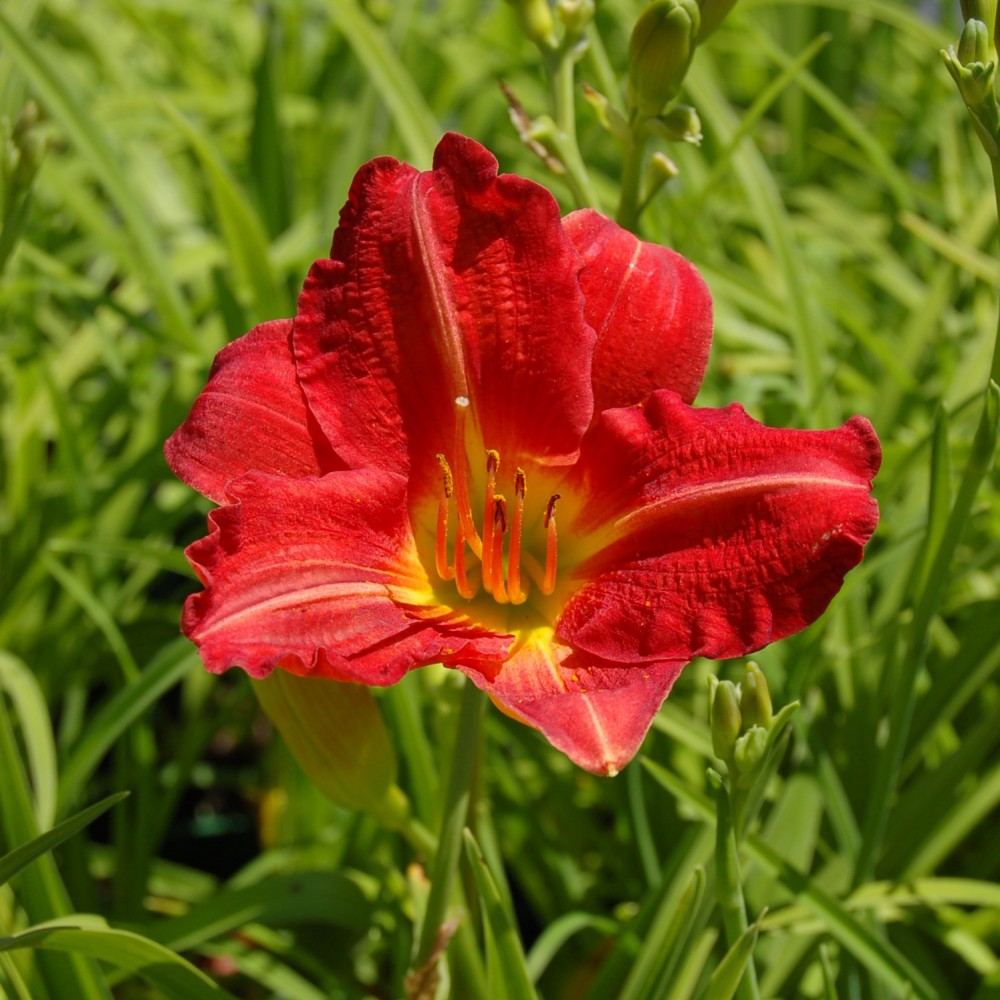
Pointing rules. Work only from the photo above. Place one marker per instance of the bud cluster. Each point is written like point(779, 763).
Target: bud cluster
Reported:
point(741, 716)
point(973, 68)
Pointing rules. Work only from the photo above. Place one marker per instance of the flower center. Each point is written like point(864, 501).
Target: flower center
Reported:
point(501, 522)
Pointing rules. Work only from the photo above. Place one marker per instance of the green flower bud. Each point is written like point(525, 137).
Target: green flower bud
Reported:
point(974, 43)
point(755, 699)
point(575, 14)
point(660, 51)
point(747, 753)
point(536, 21)
point(336, 733)
point(981, 10)
point(680, 124)
point(725, 717)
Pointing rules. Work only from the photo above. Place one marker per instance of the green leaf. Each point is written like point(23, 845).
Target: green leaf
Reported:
point(119, 712)
point(881, 958)
point(83, 934)
point(414, 120)
point(64, 105)
point(246, 240)
point(36, 732)
point(20, 857)
point(666, 941)
point(301, 897)
point(724, 982)
point(506, 969)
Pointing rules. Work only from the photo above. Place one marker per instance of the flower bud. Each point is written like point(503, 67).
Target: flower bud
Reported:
point(336, 733)
point(748, 751)
point(536, 21)
point(974, 43)
point(680, 124)
point(755, 699)
point(725, 715)
point(660, 51)
point(575, 14)
point(980, 10)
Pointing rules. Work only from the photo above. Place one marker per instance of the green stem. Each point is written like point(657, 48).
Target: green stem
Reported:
point(456, 811)
point(729, 887)
point(628, 204)
point(559, 64)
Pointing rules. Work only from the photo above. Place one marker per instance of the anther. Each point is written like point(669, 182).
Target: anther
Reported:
point(551, 547)
point(499, 526)
point(489, 574)
point(444, 570)
point(517, 595)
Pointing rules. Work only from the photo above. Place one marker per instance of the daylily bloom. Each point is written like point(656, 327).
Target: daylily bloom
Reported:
point(474, 445)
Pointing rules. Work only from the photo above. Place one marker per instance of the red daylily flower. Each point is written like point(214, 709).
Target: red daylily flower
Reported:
point(466, 372)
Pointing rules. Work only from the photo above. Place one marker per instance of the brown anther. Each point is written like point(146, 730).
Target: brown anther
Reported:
point(500, 513)
point(550, 509)
point(449, 482)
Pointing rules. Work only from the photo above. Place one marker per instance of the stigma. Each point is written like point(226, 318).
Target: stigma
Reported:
point(507, 571)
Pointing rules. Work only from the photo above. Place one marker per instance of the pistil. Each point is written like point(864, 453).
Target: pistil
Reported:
point(444, 570)
point(461, 479)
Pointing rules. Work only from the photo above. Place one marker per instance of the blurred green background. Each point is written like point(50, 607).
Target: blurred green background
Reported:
point(186, 164)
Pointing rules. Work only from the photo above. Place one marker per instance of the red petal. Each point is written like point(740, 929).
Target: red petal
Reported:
point(320, 576)
point(651, 310)
point(446, 284)
point(597, 714)
point(717, 535)
point(250, 415)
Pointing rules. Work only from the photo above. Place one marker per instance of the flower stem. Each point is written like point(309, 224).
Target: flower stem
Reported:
point(454, 816)
point(729, 886)
point(559, 64)
point(635, 151)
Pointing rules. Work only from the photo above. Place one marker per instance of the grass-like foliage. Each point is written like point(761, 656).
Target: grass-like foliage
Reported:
point(170, 171)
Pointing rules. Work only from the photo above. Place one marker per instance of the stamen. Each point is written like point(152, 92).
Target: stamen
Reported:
point(462, 584)
point(517, 595)
point(551, 548)
point(499, 527)
point(444, 571)
point(492, 465)
point(461, 479)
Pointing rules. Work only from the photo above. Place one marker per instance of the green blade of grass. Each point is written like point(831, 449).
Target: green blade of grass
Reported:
point(36, 732)
point(414, 120)
point(60, 101)
point(119, 712)
point(40, 890)
point(878, 956)
point(246, 240)
point(88, 936)
point(507, 972)
point(21, 857)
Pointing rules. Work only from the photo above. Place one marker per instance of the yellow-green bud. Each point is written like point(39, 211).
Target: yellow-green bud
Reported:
point(749, 750)
point(974, 43)
point(575, 14)
point(725, 716)
point(755, 699)
point(536, 21)
point(336, 733)
point(660, 51)
point(980, 10)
